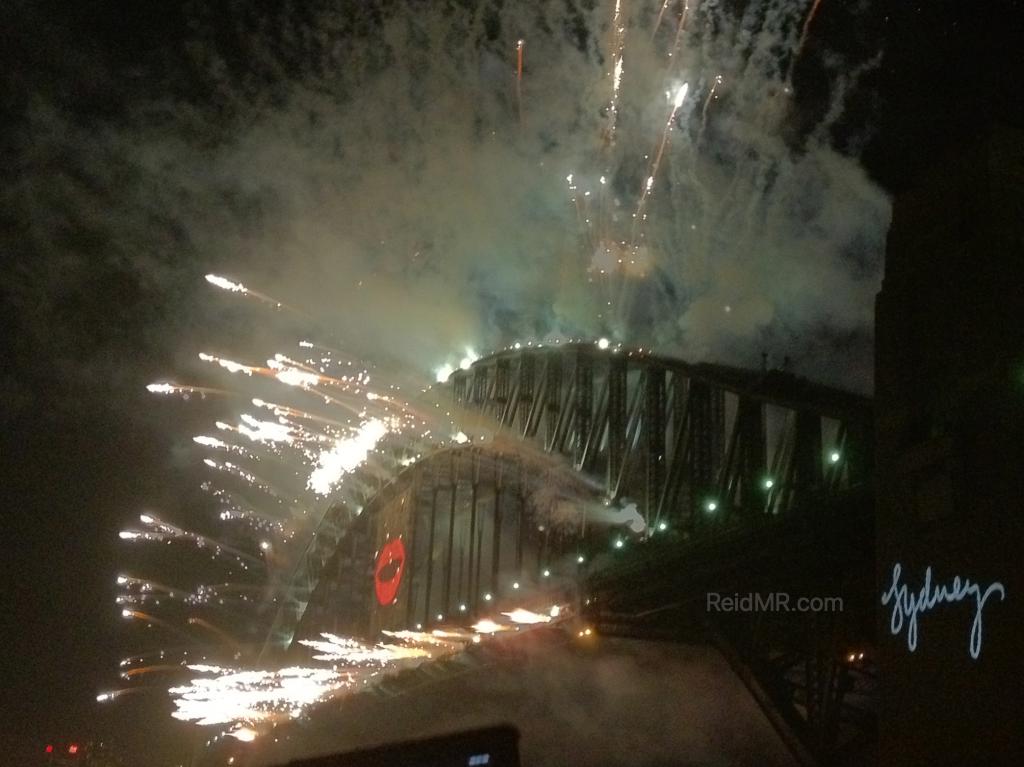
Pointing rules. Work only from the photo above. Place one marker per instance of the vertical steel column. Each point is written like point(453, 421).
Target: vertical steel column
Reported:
point(496, 541)
point(679, 463)
point(479, 560)
point(584, 404)
point(430, 555)
point(677, 410)
point(553, 394)
point(527, 389)
point(479, 384)
point(462, 569)
point(501, 383)
point(520, 523)
point(616, 420)
point(752, 454)
point(454, 479)
point(460, 381)
point(473, 549)
point(706, 437)
point(410, 548)
point(654, 426)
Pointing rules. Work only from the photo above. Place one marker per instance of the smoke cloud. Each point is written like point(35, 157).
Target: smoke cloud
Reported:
point(378, 167)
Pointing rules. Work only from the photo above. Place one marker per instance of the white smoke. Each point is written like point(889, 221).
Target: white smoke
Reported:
point(369, 164)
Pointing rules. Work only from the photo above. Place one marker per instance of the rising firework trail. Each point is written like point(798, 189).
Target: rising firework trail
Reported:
point(677, 102)
point(520, 44)
point(804, 32)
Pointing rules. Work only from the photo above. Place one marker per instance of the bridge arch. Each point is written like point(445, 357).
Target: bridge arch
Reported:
point(696, 449)
point(454, 536)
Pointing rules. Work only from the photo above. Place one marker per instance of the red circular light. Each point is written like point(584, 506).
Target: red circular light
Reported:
point(387, 575)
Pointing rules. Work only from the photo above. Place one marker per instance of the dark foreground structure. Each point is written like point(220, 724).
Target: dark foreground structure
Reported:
point(950, 468)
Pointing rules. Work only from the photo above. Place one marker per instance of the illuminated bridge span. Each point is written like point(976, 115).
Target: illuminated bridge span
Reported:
point(631, 485)
point(693, 449)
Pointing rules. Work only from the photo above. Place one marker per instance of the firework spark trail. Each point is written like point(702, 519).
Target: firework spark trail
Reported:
point(638, 217)
point(248, 698)
point(146, 585)
point(260, 431)
point(230, 365)
point(488, 626)
point(351, 652)
point(236, 287)
point(521, 615)
point(661, 14)
point(204, 593)
point(307, 344)
point(618, 45)
point(153, 620)
point(287, 371)
point(164, 531)
point(159, 654)
point(216, 444)
point(344, 456)
point(803, 40)
point(170, 388)
point(581, 216)
point(233, 509)
point(291, 373)
point(519, 78)
point(229, 640)
point(284, 411)
point(246, 476)
point(704, 110)
point(438, 638)
point(680, 29)
point(109, 695)
point(158, 668)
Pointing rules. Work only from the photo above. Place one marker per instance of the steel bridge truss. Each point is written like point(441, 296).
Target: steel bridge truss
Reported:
point(686, 443)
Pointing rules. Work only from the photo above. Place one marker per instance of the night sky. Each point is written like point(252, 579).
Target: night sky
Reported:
point(130, 132)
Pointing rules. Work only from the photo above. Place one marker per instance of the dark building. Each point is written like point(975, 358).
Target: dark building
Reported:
point(950, 461)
